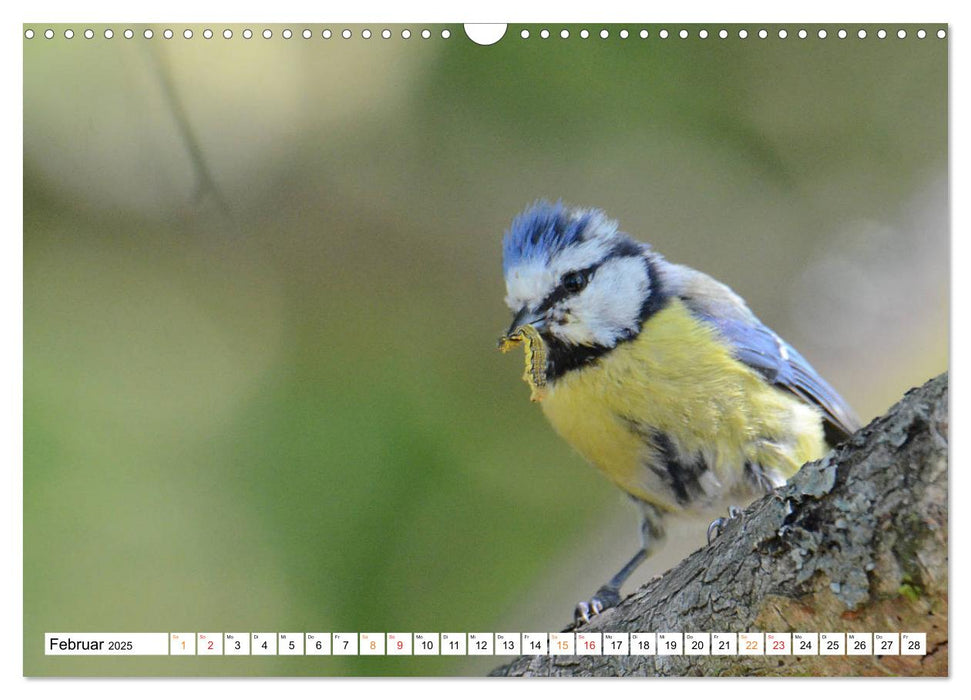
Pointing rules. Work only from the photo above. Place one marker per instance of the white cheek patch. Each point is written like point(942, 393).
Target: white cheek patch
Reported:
point(610, 307)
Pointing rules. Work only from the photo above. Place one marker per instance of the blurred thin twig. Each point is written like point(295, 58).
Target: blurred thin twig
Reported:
point(206, 183)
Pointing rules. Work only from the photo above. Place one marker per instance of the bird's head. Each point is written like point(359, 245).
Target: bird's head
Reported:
point(575, 277)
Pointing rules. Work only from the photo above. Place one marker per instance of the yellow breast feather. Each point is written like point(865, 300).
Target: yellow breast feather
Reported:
point(679, 384)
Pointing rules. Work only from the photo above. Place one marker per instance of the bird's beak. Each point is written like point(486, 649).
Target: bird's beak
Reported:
point(527, 317)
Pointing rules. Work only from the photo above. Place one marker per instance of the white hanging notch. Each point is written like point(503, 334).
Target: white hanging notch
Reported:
point(485, 34)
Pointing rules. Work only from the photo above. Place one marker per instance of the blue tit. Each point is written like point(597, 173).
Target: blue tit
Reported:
point(659, 375)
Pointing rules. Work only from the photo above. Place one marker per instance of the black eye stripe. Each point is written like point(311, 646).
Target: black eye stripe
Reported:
point(575, 281)
point(623, 249)
point(561, 292)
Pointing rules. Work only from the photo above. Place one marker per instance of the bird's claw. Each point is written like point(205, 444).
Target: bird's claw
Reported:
point(718, 524)
point(585, 610)
point(606, 597)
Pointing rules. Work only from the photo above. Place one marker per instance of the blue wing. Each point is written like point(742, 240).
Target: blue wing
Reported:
point(761, 349)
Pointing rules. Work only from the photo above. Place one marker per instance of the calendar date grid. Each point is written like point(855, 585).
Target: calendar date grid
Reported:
point(487, 644)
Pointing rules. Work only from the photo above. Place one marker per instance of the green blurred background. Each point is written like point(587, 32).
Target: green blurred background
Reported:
point(261, 385)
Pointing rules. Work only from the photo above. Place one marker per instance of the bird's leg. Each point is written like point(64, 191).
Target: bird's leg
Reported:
point(718, 524)
point(608, 595)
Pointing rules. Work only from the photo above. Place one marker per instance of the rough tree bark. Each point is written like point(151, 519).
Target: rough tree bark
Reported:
point(856, 542)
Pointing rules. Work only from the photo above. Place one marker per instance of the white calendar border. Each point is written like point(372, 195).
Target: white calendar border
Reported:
point(501, 10)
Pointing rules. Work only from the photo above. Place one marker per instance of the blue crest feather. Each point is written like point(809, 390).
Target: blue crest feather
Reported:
point(542, 230)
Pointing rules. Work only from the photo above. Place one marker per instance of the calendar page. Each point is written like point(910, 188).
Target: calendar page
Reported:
point(268, 431)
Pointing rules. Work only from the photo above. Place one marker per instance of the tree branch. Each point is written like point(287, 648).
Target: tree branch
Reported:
point(856, 542)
